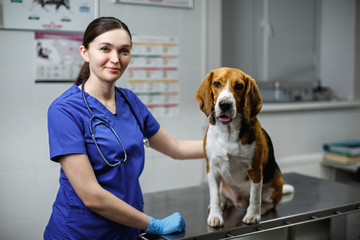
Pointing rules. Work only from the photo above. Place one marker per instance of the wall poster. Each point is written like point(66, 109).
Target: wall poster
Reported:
point(65, 15)
point(161, 3)
point(153, 74)
point(57, 56)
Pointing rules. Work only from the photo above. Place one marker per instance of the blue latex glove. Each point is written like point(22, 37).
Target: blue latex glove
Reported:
point(170, 224)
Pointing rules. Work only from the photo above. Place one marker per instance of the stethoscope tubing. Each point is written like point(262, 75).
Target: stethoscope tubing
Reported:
point(103, 121)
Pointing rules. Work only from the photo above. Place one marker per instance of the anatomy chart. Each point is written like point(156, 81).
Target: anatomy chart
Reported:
point(153, 74)
point(65, 15)
point(57, 56)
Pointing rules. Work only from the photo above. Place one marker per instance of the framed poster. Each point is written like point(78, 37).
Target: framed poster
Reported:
point(65, 15)
point(58, 57)
point(161, 3)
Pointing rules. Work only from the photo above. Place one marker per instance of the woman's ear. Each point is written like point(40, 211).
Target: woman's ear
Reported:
point(84, 53)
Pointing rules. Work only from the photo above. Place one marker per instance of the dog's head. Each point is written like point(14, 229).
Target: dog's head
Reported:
point(227, 92)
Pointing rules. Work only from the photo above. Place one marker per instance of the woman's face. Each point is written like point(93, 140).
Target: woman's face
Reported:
point(108, 55)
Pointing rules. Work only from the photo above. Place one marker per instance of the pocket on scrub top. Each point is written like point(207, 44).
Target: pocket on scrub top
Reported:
point(82, 224)
point(107, 143)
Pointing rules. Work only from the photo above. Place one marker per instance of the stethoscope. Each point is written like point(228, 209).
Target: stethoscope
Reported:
point(107, 124)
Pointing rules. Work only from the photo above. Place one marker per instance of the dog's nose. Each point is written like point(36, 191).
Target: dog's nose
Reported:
point(225, 105)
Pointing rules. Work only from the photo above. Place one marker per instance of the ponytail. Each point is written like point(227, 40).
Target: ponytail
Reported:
point(83, 74)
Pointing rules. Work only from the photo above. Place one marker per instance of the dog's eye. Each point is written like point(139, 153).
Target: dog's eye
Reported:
point(217, 84)
point(238, 86)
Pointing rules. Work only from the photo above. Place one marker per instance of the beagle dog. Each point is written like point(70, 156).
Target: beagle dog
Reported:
point(241, 167)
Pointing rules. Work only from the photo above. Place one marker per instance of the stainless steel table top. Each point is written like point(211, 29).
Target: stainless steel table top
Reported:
point(314, 199)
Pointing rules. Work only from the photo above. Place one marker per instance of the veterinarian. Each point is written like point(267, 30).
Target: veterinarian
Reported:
point(97, 133)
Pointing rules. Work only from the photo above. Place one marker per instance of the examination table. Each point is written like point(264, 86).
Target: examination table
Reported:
point(314, 200)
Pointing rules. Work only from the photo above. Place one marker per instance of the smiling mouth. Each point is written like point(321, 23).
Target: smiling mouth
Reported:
point(113, 69)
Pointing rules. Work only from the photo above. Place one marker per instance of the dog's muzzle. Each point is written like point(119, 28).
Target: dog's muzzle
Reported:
point(225, 106)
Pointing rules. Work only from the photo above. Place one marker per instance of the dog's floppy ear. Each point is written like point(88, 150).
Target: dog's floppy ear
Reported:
point(204, 95)
point(252, 98)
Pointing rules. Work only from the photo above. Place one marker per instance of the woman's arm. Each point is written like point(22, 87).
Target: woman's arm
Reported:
point(163, 142)
point(79, 171)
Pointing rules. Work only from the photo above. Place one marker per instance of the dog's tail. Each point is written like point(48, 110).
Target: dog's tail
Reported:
point(288, 189)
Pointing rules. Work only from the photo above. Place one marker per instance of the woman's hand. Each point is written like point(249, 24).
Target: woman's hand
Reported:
point(171, 224)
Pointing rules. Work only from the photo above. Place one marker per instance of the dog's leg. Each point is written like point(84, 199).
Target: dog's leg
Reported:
point(223, 198)
point(253, 212)
point(231, 195)
point(215, 218)
point(266, 206)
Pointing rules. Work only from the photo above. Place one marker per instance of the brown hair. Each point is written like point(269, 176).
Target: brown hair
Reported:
point(95, 28)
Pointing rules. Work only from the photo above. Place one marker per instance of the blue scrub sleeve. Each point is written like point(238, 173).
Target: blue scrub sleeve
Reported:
point(65, 133)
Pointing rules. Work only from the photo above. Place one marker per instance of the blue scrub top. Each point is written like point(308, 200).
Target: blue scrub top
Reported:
point(68, 126)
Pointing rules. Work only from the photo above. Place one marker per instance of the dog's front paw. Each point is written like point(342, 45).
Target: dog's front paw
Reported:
point(215, 218)
point(251, 218)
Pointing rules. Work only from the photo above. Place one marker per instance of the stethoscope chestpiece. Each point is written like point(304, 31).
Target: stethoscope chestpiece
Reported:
point(146, 142)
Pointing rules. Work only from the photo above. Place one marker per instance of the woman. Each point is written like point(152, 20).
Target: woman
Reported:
point(99, 195)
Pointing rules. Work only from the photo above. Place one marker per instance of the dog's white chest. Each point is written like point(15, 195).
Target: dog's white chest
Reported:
point(227, 156)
